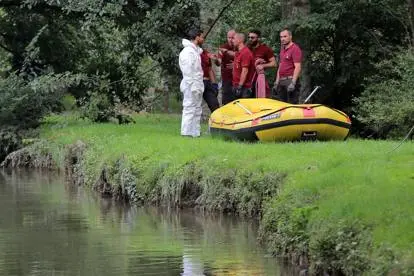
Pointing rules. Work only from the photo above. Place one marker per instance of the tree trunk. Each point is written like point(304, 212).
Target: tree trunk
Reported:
point(293, 10)
point(166, 94)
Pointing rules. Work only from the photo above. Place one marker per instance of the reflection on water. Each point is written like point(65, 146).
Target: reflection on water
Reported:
point(50, 228)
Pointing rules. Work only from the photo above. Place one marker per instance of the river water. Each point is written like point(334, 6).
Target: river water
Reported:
point(50, 228)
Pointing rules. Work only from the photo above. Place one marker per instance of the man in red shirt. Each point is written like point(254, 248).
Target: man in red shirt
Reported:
point(210, 85)
point(243, 68)
point(225, 59)
point(286, 87)
point(263, 55)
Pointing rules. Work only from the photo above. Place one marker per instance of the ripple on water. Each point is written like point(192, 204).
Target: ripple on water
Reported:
point(50, 228)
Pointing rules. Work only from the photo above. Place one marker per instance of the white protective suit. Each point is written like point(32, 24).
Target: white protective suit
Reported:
point(192, 87)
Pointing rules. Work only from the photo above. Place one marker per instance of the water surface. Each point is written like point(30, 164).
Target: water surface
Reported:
point(50, 228)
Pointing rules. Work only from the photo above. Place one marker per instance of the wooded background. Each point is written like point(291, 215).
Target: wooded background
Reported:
point(105, 57)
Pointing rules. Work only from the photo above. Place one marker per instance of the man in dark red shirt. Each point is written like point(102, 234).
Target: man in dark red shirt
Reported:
point(225, 59)
point(210, 85)
point(243, 68)
point(263, 55)
point(286, 87)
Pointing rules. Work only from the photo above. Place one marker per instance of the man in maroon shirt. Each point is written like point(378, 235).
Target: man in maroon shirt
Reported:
point(210, 85)
point(263, 55)
point(286, 87)
point(243, 68)
point(225, 59)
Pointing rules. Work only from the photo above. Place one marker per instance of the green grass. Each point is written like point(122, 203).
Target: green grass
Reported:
point(307, 188)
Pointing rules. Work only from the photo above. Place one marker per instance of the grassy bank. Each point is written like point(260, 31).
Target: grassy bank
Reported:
point(341, 206)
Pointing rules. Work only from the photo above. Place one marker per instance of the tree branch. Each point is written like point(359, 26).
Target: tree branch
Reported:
point(41, 8)
point(7, 49)
point(10, 3)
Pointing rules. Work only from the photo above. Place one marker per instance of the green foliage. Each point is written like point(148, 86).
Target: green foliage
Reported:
point(98, 108)
point(386, 107)
point(340, 247)
point(24, 103)
point(109, 42)
point(9, 141)
point(238, 191)
point(343, 40)
point(284, 226)
point(125, 48)
point(68, 102)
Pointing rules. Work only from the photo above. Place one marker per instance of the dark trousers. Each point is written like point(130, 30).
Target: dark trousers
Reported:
point(228, 94)
point(282, 93)
point(210, 96)
point(254, 89)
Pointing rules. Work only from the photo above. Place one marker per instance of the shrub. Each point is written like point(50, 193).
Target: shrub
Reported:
point(98, 108)
point(9, 141)
point(23, 104)
point(342, 248)
point(386, 107)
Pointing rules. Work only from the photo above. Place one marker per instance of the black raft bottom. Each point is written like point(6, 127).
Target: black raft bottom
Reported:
point(249, 134)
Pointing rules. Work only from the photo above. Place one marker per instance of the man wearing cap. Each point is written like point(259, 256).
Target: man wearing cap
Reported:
point(243, 68)
point(286, 87)
point(264, 58)
point(225, 60)
point(192, 85)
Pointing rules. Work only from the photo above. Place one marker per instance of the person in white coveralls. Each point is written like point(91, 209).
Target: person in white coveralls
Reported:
point(192, 85)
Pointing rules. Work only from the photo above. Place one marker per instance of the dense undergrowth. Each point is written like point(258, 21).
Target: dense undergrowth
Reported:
point(340, 208)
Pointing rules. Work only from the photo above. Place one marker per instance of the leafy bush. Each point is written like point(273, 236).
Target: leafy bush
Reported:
point(98, 108)
point(24, 103)
point(68, 102)
point(285, 224)
point(386, 107)
point(342, 247)
point(9, 141)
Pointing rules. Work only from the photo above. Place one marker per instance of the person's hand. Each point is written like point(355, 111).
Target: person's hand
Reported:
point(291, 87)
point(222, 50)
point(238, 91)
point(229, 66)
point(259, 68)
point(212, 56)
point(215, 88)
point(259, 61)
point(275, 85)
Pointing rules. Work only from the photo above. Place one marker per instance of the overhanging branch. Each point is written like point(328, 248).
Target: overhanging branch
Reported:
point(7, 49)
point(41, 8)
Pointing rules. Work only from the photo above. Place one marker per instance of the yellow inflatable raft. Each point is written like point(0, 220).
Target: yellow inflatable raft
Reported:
point(271, 120)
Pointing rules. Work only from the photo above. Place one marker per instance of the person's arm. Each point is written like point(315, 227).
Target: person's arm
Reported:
point(211, 75)
point(270, 64)
point(217, 61)
point(270, 56)
point(296, 73)
point(297, 62)
point(228, 52)
point(277, 76)
point(187, 63)
point(243, 75)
